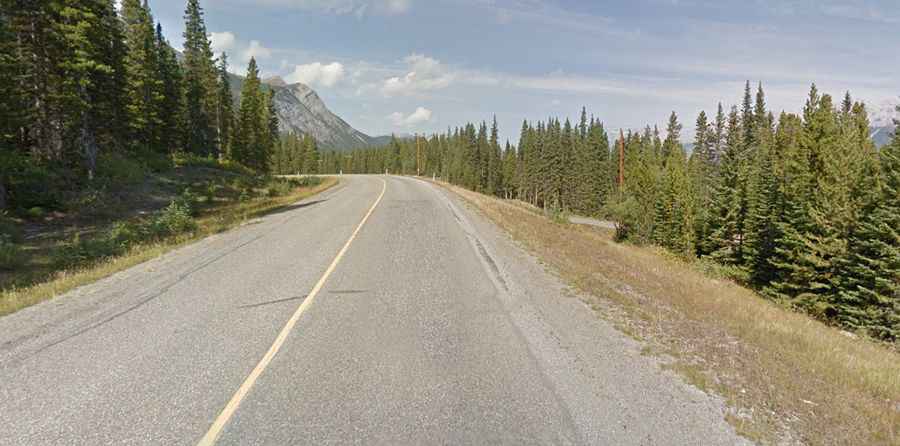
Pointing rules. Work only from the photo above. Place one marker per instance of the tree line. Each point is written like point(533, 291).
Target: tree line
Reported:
point(81, 80)
point(802, 207)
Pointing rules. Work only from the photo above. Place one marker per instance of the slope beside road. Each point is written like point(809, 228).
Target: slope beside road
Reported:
point(432, 328)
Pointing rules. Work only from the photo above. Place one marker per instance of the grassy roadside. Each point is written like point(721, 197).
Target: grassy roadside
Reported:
point(213, 219)
point(787, 378)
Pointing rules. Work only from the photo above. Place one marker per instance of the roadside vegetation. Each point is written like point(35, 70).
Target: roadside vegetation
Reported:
point(786, 377)
point(114, 148)
point(804, 209)
point(121, 220)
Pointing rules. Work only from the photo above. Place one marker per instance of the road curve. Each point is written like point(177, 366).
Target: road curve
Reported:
point(431, 328)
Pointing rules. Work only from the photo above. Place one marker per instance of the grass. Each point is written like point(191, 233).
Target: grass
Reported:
point(45, 280)
point(786, 377)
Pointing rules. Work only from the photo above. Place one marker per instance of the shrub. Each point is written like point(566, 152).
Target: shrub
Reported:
point(80, 251)
point(174, 219)
point(32, 185)
point(11, 255)
point(9, 228)
point(280, 188)
point(116, 170)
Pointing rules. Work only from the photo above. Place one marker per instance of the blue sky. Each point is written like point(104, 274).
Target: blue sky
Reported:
point(409, 66)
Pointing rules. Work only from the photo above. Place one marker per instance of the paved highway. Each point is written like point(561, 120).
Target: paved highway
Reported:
point(382, 311)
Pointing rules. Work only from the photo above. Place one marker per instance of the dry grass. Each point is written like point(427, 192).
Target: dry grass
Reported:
point(787, 378)
point(215, 220)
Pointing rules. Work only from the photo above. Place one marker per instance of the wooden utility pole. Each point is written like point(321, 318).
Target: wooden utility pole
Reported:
point(621, 180)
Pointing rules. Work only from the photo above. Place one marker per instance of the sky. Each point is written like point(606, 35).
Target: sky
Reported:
point(421, 66)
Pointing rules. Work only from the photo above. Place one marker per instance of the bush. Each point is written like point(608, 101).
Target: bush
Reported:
point(280, 188)
point(173, 220)
point(11, 255)
point(80, 251)
point(117, 171)
point(176, 219)
point(32, 185)
point(9, 228)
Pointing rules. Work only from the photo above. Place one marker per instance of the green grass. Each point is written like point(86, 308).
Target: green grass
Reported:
point(84, 247)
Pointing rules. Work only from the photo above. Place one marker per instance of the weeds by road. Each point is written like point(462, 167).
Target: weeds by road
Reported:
point(787, 378)
point(56, 258)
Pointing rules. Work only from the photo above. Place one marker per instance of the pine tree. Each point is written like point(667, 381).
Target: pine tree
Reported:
point(703, 172)
point(199, 84)
point(727, 218)
point(225, 109)
point(145, 88)
point(11, 101)
point(171, 124)
point(869, 273)
point(249, 133)
point(495, 162)
point(34, 26)
point(269, 125)
point(86, 37)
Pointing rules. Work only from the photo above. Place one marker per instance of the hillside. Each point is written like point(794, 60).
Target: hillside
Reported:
point(301, 110)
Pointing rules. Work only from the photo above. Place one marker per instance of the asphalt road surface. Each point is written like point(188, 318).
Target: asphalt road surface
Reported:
point(382, 311)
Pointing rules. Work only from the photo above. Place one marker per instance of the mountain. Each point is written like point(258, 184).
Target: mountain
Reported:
point(883, 119)
point(301, 110)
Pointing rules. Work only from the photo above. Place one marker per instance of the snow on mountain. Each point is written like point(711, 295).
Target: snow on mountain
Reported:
point(883, 119)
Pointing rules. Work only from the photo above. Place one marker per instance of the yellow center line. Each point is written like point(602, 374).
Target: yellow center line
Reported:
point(213, 433)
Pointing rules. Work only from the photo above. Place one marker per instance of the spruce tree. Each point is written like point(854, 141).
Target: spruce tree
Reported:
point(249, 132)
point(727, 218)
point(199, 84)
point(86, 36)
point(11, 101)
point(869, 273)
point(145, 88)
point(172, 120)
point(225, 109)
point(269, 125)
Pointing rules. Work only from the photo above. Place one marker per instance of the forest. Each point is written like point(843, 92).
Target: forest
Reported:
point(85, 87)
point(802, 208)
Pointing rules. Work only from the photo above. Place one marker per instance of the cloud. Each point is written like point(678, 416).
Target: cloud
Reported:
point(318, 74)
point(424, 74)
point(257, 51)
point(222, 42)
point(359, 8)
point(419, 116)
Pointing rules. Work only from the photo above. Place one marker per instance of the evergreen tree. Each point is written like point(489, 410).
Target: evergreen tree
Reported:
point(250, 135)
point(86, 36)
point(225, 109)
point(145, 88)
point(869, 273)
point(172, 102)
point(11, 101)
point(199, 84)
point(727, 218)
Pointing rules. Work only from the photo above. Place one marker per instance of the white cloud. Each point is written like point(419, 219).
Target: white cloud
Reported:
point(424, 74)
point(318, 74)
point(359, 8)
point(397, 6)
point(222, 42)
point(257, 51)
point(419, 116)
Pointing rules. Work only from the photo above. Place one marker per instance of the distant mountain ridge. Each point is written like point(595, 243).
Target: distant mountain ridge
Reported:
point(883, 118)
point(301, 110)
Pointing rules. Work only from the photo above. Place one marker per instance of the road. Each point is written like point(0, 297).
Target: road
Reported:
point(430, 327)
